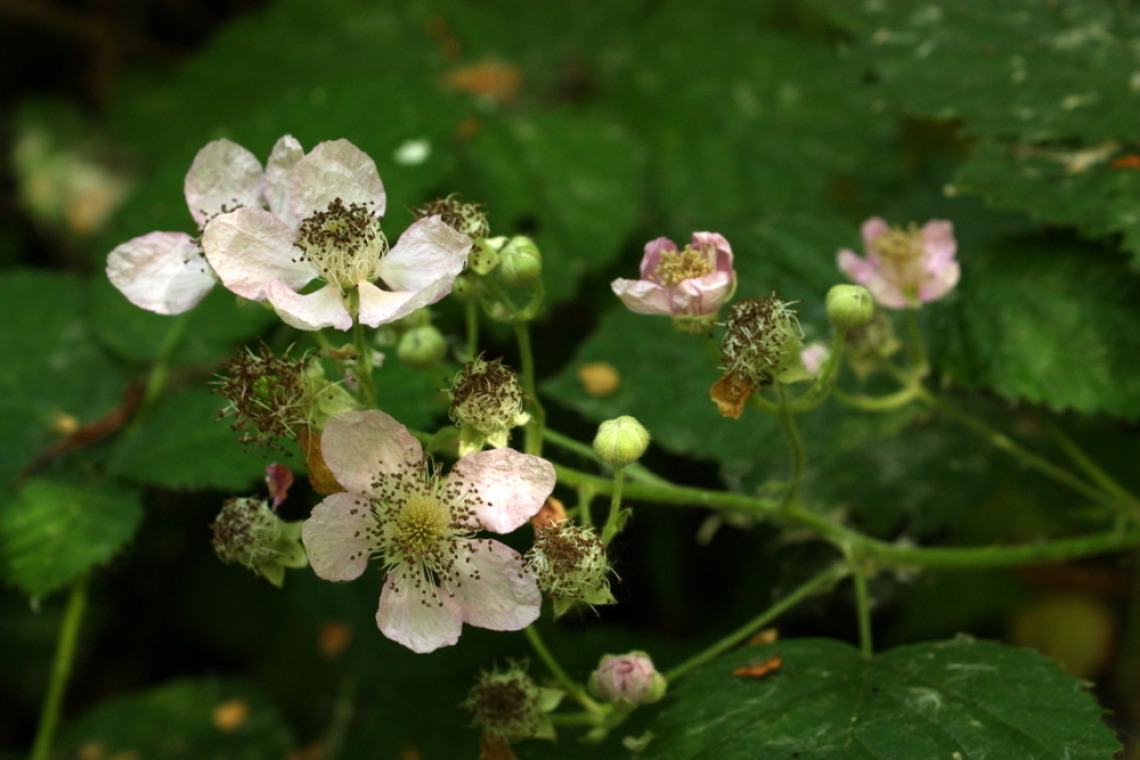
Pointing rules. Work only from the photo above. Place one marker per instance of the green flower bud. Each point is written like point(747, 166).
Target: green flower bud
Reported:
point(621, 441)
point(422, 347)
point(849, 306)
point(520, 261)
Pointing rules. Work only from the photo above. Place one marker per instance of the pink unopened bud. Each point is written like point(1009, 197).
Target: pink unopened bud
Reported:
point(627, 680)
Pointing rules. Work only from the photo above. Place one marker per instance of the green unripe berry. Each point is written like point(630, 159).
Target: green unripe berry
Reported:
point(621, 441)
point(849, 306)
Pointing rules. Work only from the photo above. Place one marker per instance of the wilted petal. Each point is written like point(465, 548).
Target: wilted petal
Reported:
point(361, 447)
point(421, 622)
point(502, 597)
point(336, 169)
point(223, 174)
point(251, 247)
point(702, 295)
point(427, 251)
point(163, 272)
point(643, 296)
point(310, 311)
point(275, 184)
point(511, 486)
point(337, 537)
point(379, 307)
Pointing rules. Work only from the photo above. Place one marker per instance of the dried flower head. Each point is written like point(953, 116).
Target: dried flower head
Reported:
point(465, 218)
point(570, 564)
point(248, 532)
point(761, 345)
point(486, 402)
point(267, 395)
point(508, 705)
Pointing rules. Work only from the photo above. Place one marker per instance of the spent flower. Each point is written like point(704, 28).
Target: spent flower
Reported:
point(570, 564)
point(689, 285)
point(167, 272)
point(761, 346)
point(486, 402)
point(508, 705)
point(248, 532)
point(422, 527)
point(330, 230)
point(904, 268)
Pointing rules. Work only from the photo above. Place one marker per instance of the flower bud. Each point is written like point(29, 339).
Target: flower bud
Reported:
point(621, 441)
point(849, 306)
point(509, 706)
point(249, 533)
point(520, 261)
point(627, 680)
point(421, 347)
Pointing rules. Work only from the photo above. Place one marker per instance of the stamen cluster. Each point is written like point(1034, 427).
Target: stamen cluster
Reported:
point(344, 243)
point(266, 395)
point(687, 264)
point(465, 218)
point(508, 705)
point(570, 564)
point(486, 395)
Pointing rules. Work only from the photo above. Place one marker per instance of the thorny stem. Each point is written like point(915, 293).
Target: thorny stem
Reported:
point(573, 689)
point(881, 554)
point(819, 584)
point(61, 669)
point(613, 521)
point(537, 423)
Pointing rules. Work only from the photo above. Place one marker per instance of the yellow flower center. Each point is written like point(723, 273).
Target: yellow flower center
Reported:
point(902, 255)
point(344, 243)
point(687, 264)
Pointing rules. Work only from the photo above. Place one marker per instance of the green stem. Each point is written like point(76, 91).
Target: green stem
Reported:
point(788, 423)
point(471, 312)
point(882, 553)
point(61, 669)
point(916, 347)
point(863, 607)
point(343, 708)
point(1084, 461)
point(573, 689)
point(816, 585)
point(537, 424)
point(896, 400)
point(614, 520)
point(363, 367)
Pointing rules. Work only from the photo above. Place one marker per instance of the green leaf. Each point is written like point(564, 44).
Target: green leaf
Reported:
point(572, 182)
point(52, 532)
point(1049, 88)
point(184, 720)
point(950, 699)
point(1040, 320)
point(183, 444)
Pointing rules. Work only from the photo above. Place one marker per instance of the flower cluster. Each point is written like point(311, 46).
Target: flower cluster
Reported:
point(422, 527)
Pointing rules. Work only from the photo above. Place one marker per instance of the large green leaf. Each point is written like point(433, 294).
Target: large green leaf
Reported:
point(184, 720)
point(951, 699)
point(1049, 88)
point(52, 532)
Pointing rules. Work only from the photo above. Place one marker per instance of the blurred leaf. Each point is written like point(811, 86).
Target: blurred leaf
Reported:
point(184, 720)
point(1040, 320)
point(183, 444)
point(1049, 88)
point(52, 532)
point(959, 698)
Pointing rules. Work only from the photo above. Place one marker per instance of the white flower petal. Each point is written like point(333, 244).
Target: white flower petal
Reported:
point(511, 486)
point(502, 597)
point(250, 247)
point(336, 169)
point(337, 537)
point(162, 272)
point(361, 447)
point(428, 251)
point(423, 620)
point(379, 307)
point(643, 296)
point(311, 311)
point(223, 174)
point(275, 185)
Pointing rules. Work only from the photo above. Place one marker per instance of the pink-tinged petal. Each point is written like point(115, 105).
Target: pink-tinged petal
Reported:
point(940, 245)
point(717, 242)
point(939, 283)
point(427, 251)
point(251, 247)
point(223, 174)
point(275, 184)
point(163, 272)
point(339, 537)
point(310, 311)
point(511, 487)
point(643, 296)
point(858, 269)
point(651, 259)
point(866, 273)
point(336, 169)
point(420, 620)
point(379, 307)
point(701, 296)
point(872, 229)
point(494, 592)
point(363, 447)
